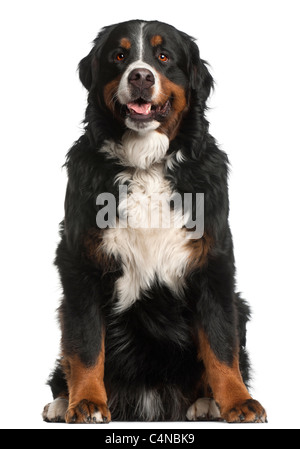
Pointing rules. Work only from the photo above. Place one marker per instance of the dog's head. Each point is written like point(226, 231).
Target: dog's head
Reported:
point(145, 75)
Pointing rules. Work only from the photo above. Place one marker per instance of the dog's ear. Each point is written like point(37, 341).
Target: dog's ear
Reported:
point(85, 69)
point(89, 66)
point(201, 80)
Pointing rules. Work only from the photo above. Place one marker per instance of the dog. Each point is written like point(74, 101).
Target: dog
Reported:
point(152, 327)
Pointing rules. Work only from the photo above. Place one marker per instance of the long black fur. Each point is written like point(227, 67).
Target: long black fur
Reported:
point(150, 346)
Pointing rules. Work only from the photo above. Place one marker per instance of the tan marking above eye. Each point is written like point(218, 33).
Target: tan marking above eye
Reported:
point(156, 40)
point(125, 43)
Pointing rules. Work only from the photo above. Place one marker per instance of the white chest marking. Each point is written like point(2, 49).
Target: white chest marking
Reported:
point(146, 253)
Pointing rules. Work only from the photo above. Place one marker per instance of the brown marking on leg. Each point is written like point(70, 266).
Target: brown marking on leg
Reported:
point(125, 43)
point(156, 40)
point(229, 390)
point(87, 394)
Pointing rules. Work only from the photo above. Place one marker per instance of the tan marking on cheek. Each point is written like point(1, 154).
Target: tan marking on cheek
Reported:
point(125, 43)
point(110, 92)
point(156, 40)
point(176, 93)
point(169, 89)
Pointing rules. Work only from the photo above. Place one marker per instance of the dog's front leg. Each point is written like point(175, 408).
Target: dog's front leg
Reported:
point(219, 343)
point(229, 390)
point(83, 351)
point(87, 394)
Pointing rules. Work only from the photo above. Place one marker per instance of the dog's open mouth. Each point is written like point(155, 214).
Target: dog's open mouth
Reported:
point(142, 110)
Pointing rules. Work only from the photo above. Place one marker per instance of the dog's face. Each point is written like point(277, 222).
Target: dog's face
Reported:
point(144, 74)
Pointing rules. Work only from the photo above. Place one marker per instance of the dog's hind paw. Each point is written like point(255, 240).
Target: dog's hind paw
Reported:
point(56, 410)
point(203, 409)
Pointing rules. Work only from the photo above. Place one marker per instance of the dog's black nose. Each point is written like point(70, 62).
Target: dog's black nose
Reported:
point(141, 78)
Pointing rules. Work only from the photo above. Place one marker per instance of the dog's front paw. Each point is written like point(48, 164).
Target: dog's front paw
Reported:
point(249, 411)
point(88, 412)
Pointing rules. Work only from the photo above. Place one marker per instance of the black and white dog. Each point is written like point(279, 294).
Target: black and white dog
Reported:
point(152, 328)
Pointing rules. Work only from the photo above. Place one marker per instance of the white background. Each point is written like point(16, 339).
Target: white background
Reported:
point(253, 49)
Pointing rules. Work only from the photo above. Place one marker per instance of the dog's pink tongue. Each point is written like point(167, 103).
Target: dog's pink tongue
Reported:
point(144, 108)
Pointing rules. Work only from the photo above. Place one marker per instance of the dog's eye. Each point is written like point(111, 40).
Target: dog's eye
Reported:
point(163, 57)
point(120, 57)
